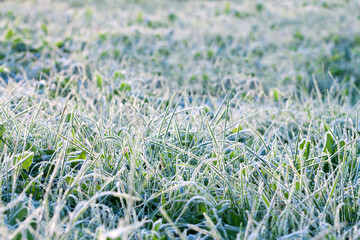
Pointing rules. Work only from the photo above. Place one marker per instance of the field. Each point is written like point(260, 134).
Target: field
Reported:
point(179, 119)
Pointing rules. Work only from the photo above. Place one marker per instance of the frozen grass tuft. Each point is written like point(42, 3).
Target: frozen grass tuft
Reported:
point(189, 120)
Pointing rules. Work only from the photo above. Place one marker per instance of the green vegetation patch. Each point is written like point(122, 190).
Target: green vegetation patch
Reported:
point(181, 120)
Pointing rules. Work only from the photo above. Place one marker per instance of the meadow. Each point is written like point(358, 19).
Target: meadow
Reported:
point(179, 119)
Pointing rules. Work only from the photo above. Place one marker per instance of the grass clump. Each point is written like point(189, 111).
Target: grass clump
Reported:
point(153, 127)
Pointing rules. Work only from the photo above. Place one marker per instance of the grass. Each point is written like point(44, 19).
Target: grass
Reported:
point(179, 120)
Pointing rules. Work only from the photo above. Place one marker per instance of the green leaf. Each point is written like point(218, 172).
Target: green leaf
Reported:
point(9, 34)
point(28, 161)
point(99, 81)
point(125, 87)
point(44, 28)
point(172, 17)
point(60, 44)
point(329, 144)
point(79, 155)
point(305, 147)
point(19, 214)
point(227, 8)
point(163, 201)
point(276, 95)
point(157, 224)
point(26, 158)
point(326, 127)
point(260, 7)
point(18, 46)
point(2, 129)
point(139, 18)
point(234, 218)
point(342, 143)
point(298, 36)
point(119, 75)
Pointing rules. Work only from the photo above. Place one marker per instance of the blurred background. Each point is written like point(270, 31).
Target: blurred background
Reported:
point(216, 47)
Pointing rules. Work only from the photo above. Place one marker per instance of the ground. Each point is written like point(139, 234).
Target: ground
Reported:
point(179, 119)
